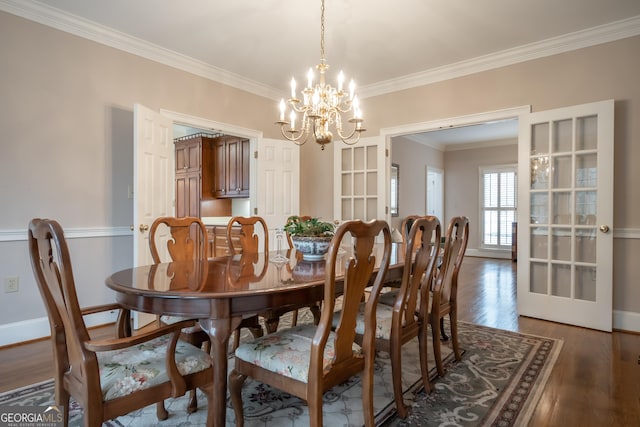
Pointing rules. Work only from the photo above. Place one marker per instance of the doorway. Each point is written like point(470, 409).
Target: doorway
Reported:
point(435, 192)
point(456, 148)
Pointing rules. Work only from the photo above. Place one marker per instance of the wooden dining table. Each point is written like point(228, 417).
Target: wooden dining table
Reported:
point(220, 291)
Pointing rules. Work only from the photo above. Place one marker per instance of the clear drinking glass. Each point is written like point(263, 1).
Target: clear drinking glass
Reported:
point(279, 257)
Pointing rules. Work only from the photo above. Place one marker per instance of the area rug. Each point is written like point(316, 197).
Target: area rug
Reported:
point(498, 382)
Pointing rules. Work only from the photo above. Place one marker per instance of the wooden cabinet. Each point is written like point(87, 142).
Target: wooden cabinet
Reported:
point(217, 238)
point(231, 160)
point(194, 180)
point(188, 154)
point(210, 171)
point(188, 194)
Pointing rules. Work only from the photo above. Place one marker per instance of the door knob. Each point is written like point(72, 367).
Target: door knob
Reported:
point(143, 228)
point(604, 228)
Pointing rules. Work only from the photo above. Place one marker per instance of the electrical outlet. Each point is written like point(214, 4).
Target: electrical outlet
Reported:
point(11, 284)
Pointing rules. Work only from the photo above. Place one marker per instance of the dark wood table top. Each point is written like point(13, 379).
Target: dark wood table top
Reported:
point(248, 285)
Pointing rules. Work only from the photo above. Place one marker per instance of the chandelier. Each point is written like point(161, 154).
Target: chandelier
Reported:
point(322, 107)
point(540, 168)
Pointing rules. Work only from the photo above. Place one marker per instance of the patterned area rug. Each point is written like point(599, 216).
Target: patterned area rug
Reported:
point(498, 382)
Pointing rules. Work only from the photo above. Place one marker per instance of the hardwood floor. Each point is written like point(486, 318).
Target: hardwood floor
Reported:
point(595, 382)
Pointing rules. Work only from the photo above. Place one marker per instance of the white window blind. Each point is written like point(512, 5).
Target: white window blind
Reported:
point(498, 205)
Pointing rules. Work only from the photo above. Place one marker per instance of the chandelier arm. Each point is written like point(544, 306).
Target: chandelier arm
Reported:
point(342, 110)
point(348, 141)
point(297, 109)
point(292, 138)
point(345, 138)
point(306, 136)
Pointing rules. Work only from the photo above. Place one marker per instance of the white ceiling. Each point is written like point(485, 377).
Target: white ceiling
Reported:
point(487, 134)
point(384, 45)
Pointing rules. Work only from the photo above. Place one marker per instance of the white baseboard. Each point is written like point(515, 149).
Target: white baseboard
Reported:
point(626, 321)
point(28, 330)
point(488, 253)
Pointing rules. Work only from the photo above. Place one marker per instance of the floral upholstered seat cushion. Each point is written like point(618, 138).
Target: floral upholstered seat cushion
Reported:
point(288, 351)
point(142, 366)
point(384, 314)
point(170, 320)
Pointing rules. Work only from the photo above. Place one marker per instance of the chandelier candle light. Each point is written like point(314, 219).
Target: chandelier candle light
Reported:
point(321, 106)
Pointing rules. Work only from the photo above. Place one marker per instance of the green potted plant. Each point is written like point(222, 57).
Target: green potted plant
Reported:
point(310, 236)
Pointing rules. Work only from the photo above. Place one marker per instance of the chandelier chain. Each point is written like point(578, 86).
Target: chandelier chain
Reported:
point(322, 32)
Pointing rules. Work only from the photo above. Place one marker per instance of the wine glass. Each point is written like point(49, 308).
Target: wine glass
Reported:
point(278, 258)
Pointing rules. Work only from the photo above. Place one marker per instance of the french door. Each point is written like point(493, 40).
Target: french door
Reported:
point(360, 179)
point(565, 215)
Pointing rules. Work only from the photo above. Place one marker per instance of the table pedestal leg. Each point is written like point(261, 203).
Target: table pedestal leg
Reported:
point(219, 331)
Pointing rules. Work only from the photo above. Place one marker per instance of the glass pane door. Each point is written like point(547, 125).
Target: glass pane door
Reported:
point(359, 181)
point(565, 273)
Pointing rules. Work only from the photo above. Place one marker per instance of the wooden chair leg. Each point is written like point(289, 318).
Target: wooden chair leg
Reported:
point(424, 359)
point(62, 398)
point(161, 411)
point(437, 353)
point(443, 334)
point(271, 324)
point(396, 374)
point(367, 395)
point(235, 390)
point(192, 406)
point(294, 318)
point(316, 311)
point(257, 331)
point(453, 320)
point(315, 410)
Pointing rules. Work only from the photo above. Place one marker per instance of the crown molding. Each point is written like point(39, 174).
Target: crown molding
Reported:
point(81, 27)
point(580, 39)
point(51, 17)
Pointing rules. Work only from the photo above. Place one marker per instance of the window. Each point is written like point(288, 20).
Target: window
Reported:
point(395, 177)
point(498, 205)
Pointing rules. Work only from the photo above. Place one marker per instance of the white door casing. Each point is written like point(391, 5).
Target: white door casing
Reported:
point(153, 182)
point(565, 215)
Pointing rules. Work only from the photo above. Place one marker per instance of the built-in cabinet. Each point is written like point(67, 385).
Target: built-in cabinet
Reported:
point(210, 170)
point(231, 167)
point(217, 238)
point(194, 178)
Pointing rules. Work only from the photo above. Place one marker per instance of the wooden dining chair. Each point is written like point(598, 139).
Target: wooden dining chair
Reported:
point(108, 377)
point(181, 239)
point(307, 360)
point(249, 243)
point(389, 298)
point(407, 222)
point(444, 298)
point(408, 317)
